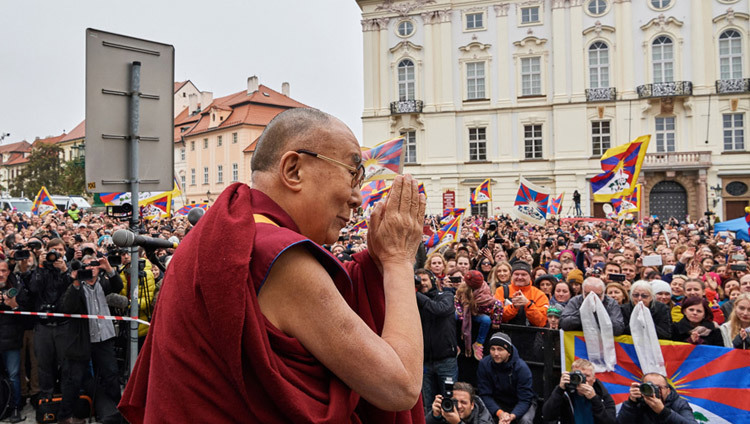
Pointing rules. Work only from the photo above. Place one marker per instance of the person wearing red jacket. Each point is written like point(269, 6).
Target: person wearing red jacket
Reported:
point(524, 303)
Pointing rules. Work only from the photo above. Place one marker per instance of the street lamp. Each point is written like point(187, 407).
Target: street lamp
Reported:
point(208, 196)
point(717, 191)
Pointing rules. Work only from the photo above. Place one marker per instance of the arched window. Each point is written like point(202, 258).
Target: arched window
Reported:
point(730, 54)
point(599, 65)
point(662, 56)
point(406, 80)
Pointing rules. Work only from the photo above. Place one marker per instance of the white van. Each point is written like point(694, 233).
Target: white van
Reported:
point(16, 204)
point(64, 202)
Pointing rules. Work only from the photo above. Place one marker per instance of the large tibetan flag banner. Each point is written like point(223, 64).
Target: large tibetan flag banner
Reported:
point(481, 194)
point(714, 380)
point(43, 203)
point(629, 203)
point(384, 161)
point(621, 166)
point(531, 203)
point(556, 204)
point(446, 234)
point(185, 209)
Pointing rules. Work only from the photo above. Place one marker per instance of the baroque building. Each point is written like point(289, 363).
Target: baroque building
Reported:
point(542, 88)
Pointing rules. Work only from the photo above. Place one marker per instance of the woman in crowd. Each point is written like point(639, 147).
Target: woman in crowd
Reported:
point(617, 292)
point(538, 272)
point(436, 264)
point(484, 265)
point(561, 294)
point(555, 268)
point(663, 294)
point(641, 291)
point(474, 304)
point(545, 283)
point(499, 276)
point(677, 285)
point(696, 326)
point(694, 287)
point(575, 279)
point(735, 331)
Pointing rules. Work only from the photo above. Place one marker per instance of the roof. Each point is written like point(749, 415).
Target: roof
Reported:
point(48, 140)
point(16, 159)
point(20, 146)
point(251, 147)
point(78, 132)
point(184, 119)
point(178, 85)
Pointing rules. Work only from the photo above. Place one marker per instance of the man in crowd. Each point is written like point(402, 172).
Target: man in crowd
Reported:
point(588, 401)
point(524, 303)
point(468, 408)
point(11, 337)
point(437, 313)
point(661, 404)
point(505, 384)
point(571, 316)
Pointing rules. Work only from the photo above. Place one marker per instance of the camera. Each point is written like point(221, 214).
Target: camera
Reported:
point(498, 240)
point(649, 389)
point(454, 280)
point(52, 256)
point(576, 378)
point(114, 256)
point(10, 292)
point(592, 245)
point(738, 267)
point(21, 254)
point(447, 404)
point(85, 274)
point(616, 277)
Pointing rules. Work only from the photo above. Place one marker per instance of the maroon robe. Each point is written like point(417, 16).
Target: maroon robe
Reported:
point(212, 356)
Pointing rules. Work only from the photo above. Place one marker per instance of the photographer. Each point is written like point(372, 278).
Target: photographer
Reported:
point(11, 337)
point(655, 401)
point(466, 407)
point(580, 398)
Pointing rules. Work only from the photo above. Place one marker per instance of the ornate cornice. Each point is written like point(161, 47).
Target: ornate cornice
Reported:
point(475, 45)
point(530, 40)
point(598, 28)
point(405, 45)
point(731, 15)
point(375, 24)
point(662, 22)
point(528, 3)
point(403, 9)
point(436, 17)
point(501, 9)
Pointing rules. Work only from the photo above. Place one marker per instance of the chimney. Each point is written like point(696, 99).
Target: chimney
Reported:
point(206, 98)
point(192, 103)
point(285, 88)
point(252, 85)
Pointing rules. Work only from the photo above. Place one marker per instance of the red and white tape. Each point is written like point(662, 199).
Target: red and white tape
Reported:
point(54, 314)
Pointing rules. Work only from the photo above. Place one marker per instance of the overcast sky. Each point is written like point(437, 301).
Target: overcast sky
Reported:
point(315, 45)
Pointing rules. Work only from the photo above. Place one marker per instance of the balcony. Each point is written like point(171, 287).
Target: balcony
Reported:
point(406, 106)
point(606, 94)
point(728, 86)
point(665, 89)
point(677, 160)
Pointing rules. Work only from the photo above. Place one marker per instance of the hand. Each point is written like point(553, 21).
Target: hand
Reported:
point(437, 409)
point(396, 226)
point(654, 403)
point(635, 392)
point(687, 255)
point(694, 337)
point(60, 265)
point(564, 379)
point(104, 265)
point(519, 299)
point(452, 417)
point(743, 333)
point(585, 390)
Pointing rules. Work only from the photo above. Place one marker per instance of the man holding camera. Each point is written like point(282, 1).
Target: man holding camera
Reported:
point(655, 401)
point(463, 406)
point(580, 398)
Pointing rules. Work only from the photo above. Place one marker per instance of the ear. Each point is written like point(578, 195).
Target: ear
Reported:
point(290, 171)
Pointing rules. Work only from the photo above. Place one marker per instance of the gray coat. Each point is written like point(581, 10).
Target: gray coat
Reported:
point(570, 320)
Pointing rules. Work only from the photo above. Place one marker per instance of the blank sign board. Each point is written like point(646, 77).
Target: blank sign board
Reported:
point(109, 62)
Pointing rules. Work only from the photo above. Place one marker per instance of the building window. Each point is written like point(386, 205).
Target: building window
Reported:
point(192, 146)
point(405, 80)
point(218, 140)
point(219, 174)
point(662, 55)
point(182, 153)
point(599, 65)
point(477, 144)
point(597, 7)
point(730, 54)
point(532, 141)
point(734, 131)
point(410, 146)
point(205, 175)
point(405, 28)
point(530, 15)
point(182, 181)
point(474, 21)
point(600, 137)
point(205, 143)
point(531, 76)
point(660, 4)
point(234, 138)
point(665, 134)
point(480, 209)
point(192, 176)
point(475, 80)
point(235, 172)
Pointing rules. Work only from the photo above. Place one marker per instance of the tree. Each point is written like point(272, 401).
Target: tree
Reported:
point(44, 168)
point(73, 178)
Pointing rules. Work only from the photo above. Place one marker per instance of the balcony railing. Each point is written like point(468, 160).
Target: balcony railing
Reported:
point(665, 89)
point(601, 94)
point(677, 160)
point(406, 106)
point(740, 85)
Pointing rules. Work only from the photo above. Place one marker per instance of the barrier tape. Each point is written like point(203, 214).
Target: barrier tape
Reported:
point(54, 314)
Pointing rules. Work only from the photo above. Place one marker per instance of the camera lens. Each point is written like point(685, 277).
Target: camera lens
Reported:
point(447, 404)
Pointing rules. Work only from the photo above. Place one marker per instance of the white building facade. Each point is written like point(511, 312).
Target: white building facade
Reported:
point(541, 88)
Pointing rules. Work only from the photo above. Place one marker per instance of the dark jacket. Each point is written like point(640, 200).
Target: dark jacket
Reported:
point(437, 313)
point(570, 320)
point(559, 406)
point(11, 326)
point(681, 333)
point(506, 386)
point(676, 411)
point(659, 313)
point(46, 288)
point(480, 415)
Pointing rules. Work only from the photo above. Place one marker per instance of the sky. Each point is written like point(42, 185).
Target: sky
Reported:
point(315, 45)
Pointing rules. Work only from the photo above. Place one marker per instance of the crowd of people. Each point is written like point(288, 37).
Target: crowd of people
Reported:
point(695, 284)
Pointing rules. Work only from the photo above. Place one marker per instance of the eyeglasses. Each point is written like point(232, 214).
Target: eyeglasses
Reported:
point(640, 295)
point(358, 173)
point(486, 263)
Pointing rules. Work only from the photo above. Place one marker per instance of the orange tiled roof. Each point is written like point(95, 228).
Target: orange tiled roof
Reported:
point(16, 159)
point(78, 132)
point(48, 140)
point(251, 147)
point(20, 146)
point(178, 85)
point(184, 119)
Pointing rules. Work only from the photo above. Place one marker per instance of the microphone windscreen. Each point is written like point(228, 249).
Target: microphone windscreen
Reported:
point(117, 301)
point(195, 215)
point(123, 238)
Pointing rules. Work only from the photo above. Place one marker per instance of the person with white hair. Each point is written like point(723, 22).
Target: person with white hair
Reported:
point(571, 315)
point(642, 291)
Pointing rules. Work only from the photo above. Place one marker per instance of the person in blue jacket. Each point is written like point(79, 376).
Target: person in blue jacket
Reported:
point(664, 406)
point(504, 382)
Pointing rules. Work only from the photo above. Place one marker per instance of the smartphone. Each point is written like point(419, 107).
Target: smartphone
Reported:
point(738, 267)
point(592, 245)
point(652, 260)
point(738, 257)
point(454, 280)
point(577, 246)
point(616, 277)
point(737, 242)
point(667, 269)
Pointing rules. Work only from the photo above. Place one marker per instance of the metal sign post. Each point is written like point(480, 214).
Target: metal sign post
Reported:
point(133, 130)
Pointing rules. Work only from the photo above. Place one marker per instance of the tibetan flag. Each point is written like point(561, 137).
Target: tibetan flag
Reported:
point(556, 204)
point(43, 203)
point(369, 188)
point(714, 380)
point(185, 209)
point(384, 161)
point(359, 227)
point(621, 166)
point(629, 203)
point(481, 194)
point(747, 215)
point(531, 203)
point(421, 189)
point(446, 234)
point(449, 214)
point(109, 199)
point(375, 197)
point(161, 203)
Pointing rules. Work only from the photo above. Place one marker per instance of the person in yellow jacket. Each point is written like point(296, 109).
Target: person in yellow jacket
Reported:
point(146, 293)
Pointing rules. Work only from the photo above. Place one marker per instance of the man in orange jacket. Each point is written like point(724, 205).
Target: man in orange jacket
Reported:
point(524, 303)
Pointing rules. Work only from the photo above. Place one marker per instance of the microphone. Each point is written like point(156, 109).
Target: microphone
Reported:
point(117, 301)
point(125, 238)
point(194, 215)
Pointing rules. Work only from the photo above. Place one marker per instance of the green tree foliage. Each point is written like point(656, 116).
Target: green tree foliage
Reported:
point(46, 168)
